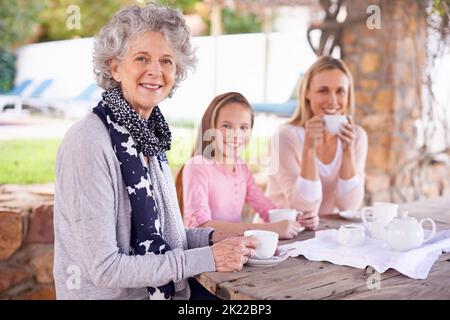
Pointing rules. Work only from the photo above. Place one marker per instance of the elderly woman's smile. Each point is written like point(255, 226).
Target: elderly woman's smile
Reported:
point(146, 73)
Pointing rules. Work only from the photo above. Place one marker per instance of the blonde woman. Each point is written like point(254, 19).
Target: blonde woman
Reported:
point(320, 173)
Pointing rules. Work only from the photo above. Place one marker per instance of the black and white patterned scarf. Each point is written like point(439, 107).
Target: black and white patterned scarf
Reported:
point(131, 136)
point(152, 136)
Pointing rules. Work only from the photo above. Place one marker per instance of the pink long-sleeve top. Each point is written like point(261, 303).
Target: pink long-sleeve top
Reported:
point(211, 192)
point(287, 189)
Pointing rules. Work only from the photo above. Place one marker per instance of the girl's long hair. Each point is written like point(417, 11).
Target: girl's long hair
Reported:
point(209, 121)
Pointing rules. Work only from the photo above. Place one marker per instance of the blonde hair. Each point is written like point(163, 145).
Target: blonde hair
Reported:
point(209, 121)
point(303, 111)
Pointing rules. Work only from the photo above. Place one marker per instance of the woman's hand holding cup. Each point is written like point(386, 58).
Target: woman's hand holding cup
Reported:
point(232, 253)
point(309, 219)
point(313, 131)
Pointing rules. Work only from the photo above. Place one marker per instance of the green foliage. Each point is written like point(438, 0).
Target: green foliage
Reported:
point(93, 16)
point(7, 70)
point(441, 7)
point(57, 20)
point(17, 18)
point(234, 22)
point(186, 6)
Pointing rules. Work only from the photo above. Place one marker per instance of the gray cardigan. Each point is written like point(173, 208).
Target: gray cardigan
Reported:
point(92, 227)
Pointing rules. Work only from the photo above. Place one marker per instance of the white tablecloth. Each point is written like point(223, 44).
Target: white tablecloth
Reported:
point(415, 263)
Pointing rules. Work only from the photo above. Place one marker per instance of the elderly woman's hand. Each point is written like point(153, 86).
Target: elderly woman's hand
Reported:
point(231, 254)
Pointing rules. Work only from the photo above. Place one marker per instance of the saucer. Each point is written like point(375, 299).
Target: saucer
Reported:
point(353, 215)
point(273, 261)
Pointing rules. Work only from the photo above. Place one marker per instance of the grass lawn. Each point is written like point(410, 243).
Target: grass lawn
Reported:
point(32, 161)
point(27, 161)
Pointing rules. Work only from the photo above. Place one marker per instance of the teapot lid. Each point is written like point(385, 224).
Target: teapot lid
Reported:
point(404, 217)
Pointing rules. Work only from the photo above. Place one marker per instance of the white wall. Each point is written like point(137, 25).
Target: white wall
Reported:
point(225, 63)
point(69, 62)
point(237, 63)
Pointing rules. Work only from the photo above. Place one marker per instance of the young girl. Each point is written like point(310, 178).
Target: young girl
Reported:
point(215, 183)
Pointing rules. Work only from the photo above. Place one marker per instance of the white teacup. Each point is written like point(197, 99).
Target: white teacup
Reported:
point(350, 235)
point(333, 122)
point(382, 213)
point(268, 242)
point(276, 215)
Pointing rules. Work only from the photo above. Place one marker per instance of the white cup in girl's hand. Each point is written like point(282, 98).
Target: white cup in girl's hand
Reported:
point(333, 122)
point(268, 242)
point(276, 215)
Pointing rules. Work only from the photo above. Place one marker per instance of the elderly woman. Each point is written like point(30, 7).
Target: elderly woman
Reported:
point(320, 172)
point(118, 228)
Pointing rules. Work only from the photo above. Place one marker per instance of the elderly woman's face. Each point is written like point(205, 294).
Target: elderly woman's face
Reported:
point(146, 73)
point(328, 92)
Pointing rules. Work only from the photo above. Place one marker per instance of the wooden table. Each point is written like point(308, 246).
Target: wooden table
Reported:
point(298, 278)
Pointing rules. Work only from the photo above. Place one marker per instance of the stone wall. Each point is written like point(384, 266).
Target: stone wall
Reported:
point(388, 69)
point(26, 245)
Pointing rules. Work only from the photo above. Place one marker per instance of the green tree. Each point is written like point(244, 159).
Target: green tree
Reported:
point(234, 22)
point(17, 18)
point(92, 16)
point(186, 6)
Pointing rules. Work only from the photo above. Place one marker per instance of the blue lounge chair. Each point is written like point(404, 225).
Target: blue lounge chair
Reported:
point(39, 90)
point(87, 93)
point(12, 100)
point(285, 109)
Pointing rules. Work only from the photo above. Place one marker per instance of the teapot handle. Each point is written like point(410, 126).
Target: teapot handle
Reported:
point(433, 231)
point(363, 216)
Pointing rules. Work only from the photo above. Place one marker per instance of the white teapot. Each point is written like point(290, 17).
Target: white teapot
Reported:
point(405, 233)
point(382, 213)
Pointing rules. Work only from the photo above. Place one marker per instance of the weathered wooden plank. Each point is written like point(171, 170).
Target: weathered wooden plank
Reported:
point(436, 286)
point(301, 279)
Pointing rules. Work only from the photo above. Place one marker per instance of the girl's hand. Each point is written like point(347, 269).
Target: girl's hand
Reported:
point(347, 134)
point(286, 229)
point(309, 219)
point(313, 131)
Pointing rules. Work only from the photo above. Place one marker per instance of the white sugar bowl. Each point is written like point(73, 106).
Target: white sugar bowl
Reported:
point(350, 235)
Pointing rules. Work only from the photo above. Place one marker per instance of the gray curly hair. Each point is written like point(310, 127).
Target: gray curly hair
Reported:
point(113, 40)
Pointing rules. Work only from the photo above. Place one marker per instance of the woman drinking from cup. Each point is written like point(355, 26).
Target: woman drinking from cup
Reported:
point(320, 169)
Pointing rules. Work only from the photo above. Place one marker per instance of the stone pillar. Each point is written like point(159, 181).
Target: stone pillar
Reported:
point(388, 66)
